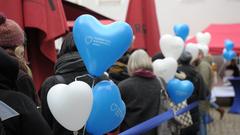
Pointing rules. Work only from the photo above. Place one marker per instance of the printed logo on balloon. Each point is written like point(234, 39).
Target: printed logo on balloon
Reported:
point(117, 110)
point(100, 108)
point(100, 45)
point(108, 108)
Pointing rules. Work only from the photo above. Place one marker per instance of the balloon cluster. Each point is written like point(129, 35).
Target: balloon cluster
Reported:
point(228, 52)
point(172, 48)
point(203, 40)
point(100, 108)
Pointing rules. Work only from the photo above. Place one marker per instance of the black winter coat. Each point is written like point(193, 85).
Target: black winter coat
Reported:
point(67, 68)
point(9, 67)
point(199, 93)
point(2, 131)
point(29, 121)
point(142, 98)
point(24, 84)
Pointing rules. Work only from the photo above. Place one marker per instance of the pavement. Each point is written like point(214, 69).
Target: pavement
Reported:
point(229, 125)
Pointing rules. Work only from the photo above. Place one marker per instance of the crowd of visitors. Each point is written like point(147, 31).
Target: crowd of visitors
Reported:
point(140, 88)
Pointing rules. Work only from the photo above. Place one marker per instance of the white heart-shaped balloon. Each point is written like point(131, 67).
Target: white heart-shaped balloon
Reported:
point(71, 104)
point(204, 48)
point(193, 49)
point(171, 46)
point(203, 38)
point(165, 68)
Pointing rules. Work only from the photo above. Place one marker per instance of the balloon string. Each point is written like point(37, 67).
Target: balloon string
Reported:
point(75, 132)
point(84, 129)
point(93, 82)
point(85, 75)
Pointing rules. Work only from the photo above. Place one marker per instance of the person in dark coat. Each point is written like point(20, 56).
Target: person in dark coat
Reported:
point(140, 92)
point(198, 93)
point(69, 65)
point(2, 131)
point(233, 66)
point(12, 36)
point(27, 119)
point(118, 71)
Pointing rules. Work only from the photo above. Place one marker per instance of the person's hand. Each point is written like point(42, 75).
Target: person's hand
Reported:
point(181, 75)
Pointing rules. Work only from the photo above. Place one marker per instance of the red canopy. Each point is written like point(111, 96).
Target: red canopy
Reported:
point(141, 16)
point(71, 23)
point(43, 20)
point(73, 11)
point(220, 32)
point(143, 19)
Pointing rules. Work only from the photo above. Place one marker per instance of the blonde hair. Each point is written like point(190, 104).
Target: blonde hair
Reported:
point(139, 59)
point(19, 53)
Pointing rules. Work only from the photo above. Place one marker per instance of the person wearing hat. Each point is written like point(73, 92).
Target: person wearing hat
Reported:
point(12, 37)
point(18, 113)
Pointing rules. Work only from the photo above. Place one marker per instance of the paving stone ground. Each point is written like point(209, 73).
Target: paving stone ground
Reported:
point(229, 125)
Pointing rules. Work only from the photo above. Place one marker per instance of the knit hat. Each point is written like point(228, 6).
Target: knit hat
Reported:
point(11, 34)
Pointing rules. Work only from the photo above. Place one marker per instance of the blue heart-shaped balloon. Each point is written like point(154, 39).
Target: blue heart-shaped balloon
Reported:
point(228, 44)
point(179, 91)
point(108, 109)
point(99, 45)
point(181, 30)
point(229, 55)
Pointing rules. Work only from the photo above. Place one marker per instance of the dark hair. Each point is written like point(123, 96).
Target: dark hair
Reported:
point(158, 55)
point(125, 57)
point(185, 58)
point(68, 45)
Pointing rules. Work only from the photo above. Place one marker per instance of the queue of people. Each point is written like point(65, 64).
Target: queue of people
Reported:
point(139, 87)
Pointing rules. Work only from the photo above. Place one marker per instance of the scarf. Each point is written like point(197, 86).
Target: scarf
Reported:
point(144, 73)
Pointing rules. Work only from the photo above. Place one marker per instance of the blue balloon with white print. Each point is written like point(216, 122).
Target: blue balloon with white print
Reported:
point(108, 109)
point(100, 45)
